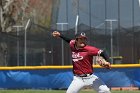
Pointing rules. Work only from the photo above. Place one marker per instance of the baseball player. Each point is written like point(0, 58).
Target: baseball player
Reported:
point(82, 60)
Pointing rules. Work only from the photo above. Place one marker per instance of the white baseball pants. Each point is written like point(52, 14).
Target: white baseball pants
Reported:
point(79, 82)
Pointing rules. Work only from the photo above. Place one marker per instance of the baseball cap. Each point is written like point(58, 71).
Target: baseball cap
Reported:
point(80, 35)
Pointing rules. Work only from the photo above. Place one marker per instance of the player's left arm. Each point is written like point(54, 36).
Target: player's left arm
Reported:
point(105, 56)
point(104, 60)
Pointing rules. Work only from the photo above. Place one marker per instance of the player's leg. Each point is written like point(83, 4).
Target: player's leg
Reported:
point(76, 85)
point(99, 86)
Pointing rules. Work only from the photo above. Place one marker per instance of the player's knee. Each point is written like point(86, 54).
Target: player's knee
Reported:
point(104, 89)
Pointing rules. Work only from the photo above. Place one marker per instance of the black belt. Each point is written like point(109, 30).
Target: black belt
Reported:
point(83, 75)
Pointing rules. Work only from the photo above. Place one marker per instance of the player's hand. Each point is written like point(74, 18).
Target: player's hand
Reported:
point(106, 65)
point(56, 34)
point(102, 62)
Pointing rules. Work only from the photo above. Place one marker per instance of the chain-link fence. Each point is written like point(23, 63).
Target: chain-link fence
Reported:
point(116, 31)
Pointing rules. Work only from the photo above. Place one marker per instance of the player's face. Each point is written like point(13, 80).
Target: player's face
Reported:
point(81, 42)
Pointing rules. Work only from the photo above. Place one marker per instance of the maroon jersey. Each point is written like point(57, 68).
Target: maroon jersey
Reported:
point(83, 58)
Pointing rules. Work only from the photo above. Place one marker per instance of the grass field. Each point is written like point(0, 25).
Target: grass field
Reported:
point(58, 91)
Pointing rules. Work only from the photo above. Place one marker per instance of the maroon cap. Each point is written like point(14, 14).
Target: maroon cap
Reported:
point(80, 35)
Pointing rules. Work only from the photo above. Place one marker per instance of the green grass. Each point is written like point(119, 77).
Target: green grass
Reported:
point(58, 91)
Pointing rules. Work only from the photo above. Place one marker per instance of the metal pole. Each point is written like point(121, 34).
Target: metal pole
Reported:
point(62, 43)
point(76, 24)
point(25, 48)
point(1, 18)
point(111, 41)
point(18, 26)
point(1, 13)
point(111, 38)
point(25, 43)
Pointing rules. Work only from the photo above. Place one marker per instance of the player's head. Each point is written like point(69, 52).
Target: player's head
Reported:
point(80, 40)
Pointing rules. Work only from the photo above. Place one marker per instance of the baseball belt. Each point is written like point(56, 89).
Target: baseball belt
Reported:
point(83, 75)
